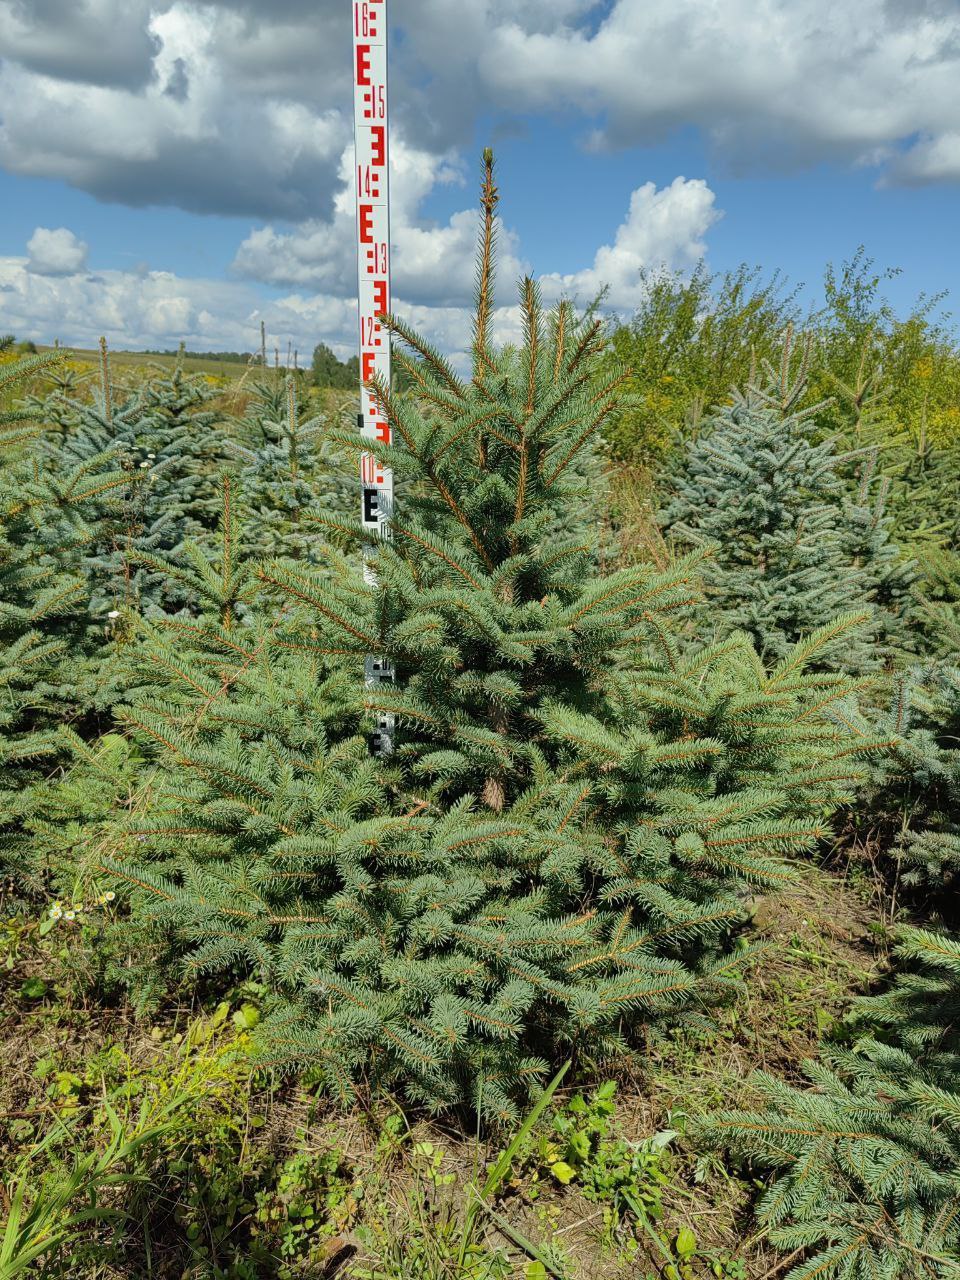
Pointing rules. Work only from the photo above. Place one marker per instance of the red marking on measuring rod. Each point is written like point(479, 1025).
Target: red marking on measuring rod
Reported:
point(372, 169)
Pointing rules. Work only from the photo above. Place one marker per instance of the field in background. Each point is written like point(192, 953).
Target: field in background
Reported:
point(228, 369)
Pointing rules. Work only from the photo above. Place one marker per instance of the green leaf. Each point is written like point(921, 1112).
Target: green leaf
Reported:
point(536, 1271)
point(219, 1015)
point(34, 989)
point(563, 1172)
point(580, 1145)
point(662, 1138)
point(246, 1017)
point(685, 1243)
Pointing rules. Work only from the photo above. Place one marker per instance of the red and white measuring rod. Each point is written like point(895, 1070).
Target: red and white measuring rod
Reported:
point(373, 262)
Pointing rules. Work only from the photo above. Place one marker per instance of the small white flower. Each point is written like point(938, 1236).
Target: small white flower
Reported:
point(69, 915)
point(114, 613)
point(56, 911)
point(151, 455)
point(144, 464)
point(109, 895)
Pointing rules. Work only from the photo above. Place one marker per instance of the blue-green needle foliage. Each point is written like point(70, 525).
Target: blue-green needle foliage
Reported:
point(48, 656)
point(289, 470)
point(160, 436)
point(910, 808)
point(790, 546)
point(868, 1157)
point(914, 802)
point(554, 856)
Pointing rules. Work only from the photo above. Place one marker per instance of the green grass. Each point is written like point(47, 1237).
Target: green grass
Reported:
point(263, 1178)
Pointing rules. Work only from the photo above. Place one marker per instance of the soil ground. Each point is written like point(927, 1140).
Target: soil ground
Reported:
point(823, 943)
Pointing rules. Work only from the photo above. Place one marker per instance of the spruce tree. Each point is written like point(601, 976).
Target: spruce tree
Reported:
point(790, 549)
point(908, 809)
point(160, 435)
point(921, 779)
point(937, 617)
point(192, 433)
point(868, 1156)
point(553, 858)
point(289, 470)
point(51, 653)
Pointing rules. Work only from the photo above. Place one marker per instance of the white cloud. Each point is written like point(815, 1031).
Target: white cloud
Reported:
point(929, 160)
point(236, 107)
point(432, 263)
point(782, 81)
point(89, 41)
point(240, 107)
point(201, 131)
point(132, 309)
point(140, 308)
point(56, 252)
point(663, 228)
point(158, 309)
point(436, 264)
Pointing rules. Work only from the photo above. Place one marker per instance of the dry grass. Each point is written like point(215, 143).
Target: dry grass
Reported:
point(823, 944)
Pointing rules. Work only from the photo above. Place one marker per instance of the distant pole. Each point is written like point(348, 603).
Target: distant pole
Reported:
point(105, 382)
point(372, 170)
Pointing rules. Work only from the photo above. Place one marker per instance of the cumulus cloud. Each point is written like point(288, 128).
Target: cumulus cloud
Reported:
point(105, 42)
point(238, 107)
point(432, 263)
point(202, 131)
point(138, 309)
point(435, 265)
point(56, 252)
point(50, 294)
point(929, 160)
point(663, 228)
point(788, 81)
point(158, 309)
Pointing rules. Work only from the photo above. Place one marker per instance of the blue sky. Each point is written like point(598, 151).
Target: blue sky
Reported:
point(796, 221)
point(176, 168)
